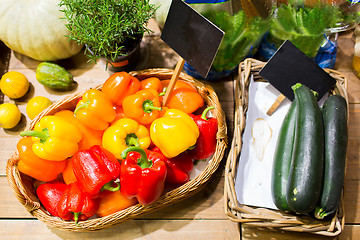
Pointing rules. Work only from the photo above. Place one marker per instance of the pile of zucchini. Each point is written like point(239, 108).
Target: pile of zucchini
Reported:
point(309, 160)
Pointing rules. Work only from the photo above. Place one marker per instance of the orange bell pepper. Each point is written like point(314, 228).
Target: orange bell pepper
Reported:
point(178, 84)
point(185, 99)
point(90, 137)
point(68, 174)
point(162, 112)
point(111, 202)
point(143, 106)
point(95, 110)
point(152, 82)
point(34, 166)
point(119, 85)
point(119, 113)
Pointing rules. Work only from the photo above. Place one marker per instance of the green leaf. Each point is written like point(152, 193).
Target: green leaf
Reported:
point(303, 26)
point(241, 35)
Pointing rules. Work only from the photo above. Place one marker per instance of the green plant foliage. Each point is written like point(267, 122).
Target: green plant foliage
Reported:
point(303, 26)
point(242, 35)
point(109, 28)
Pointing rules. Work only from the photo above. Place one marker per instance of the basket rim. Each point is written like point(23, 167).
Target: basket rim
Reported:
point(258, 216)
point(33, 206)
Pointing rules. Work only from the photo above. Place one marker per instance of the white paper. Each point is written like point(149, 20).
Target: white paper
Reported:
point(253, 180)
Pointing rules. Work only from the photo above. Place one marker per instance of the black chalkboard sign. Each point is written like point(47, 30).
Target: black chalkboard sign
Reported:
point(191, 36)
point(289, 66)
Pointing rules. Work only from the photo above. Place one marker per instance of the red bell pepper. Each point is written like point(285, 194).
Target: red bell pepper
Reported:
point(50, 194)
point(95, 170)
point(206, 142)
point(178, 168)
point(76, 205)
point(142, 175)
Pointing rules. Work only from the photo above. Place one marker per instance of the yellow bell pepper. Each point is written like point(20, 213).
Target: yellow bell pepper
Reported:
point(174, 133)
point(54, 138)
point(125, 133)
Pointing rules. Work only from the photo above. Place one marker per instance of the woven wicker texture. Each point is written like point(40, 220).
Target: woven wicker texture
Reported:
point(25, 192)
point(262, 217)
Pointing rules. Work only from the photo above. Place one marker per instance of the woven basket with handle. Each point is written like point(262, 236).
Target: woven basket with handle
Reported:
point(263, 217)
point(25, 192)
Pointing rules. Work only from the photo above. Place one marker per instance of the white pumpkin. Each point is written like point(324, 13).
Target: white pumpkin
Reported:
point(34, 28)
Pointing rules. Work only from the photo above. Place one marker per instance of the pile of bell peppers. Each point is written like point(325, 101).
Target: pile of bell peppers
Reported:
point(118, 147)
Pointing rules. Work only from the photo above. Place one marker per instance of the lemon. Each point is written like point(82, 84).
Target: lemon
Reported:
point(9, 115)
point(36, 105)
point(14, 84)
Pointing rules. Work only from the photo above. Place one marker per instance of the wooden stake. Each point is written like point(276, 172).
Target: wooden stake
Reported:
point(275, 105)
point(174, 77)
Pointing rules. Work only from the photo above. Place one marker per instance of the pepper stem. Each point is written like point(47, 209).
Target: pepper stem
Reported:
point(76, 217)
point(192, 147)
point(131, 140)
point(143, 161)
point(163, 92)
point(43, 135)
point(108, 186)
point(148, 106)
point(203, 115)
point(81, 106)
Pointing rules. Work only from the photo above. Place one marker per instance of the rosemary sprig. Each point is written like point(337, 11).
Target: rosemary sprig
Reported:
point(109, 28)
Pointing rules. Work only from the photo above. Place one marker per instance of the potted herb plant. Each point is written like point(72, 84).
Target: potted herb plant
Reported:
point(110, 29)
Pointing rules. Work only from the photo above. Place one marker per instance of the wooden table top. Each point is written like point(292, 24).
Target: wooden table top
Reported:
point(199, 217)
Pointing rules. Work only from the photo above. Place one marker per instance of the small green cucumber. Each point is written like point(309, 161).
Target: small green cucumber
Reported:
point(306, 170)
point(282, 159)
point(54, 76)
point(334, 114)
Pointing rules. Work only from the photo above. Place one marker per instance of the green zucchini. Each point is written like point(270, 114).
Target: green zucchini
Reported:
point(306, 170)
point(282, 159)
point(334, 114)
point(54, 76)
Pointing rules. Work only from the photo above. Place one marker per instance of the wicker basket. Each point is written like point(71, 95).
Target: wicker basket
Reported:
point(263, 217)
point(25, 192)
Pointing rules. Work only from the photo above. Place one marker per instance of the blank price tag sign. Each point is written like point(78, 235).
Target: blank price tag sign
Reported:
point(192, 36)
point(289, 66)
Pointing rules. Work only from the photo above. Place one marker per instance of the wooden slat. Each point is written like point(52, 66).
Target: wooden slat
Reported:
point(345, 51)
point(10, 207)
point(354, 119)
point(137, 229)
point(349, 233)
point(353, 86)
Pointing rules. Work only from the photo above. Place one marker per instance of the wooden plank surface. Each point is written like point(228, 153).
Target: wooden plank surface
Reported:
point(351, 232)
point(136, 229)
point(199, 217)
